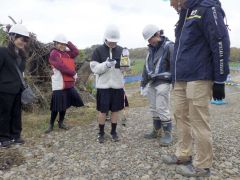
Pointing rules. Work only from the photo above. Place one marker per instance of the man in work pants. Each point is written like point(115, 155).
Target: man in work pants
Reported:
point(200, 67)
point(156, 78)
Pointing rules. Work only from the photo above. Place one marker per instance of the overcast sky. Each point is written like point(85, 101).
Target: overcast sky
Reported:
point(84, 21)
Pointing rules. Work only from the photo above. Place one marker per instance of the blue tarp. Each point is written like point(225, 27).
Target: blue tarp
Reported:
point(130, 79)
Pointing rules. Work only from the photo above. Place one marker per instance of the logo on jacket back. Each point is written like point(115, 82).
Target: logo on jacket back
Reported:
point(195, 14)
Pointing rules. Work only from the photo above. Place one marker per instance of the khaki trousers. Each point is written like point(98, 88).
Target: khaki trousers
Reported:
point(191, 104)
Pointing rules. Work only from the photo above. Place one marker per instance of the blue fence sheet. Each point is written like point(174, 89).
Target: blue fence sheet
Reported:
point(130, 79)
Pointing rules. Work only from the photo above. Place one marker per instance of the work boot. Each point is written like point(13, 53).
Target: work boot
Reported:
point(61, 125)
point(156, 132)
point(167, 139)
point(191, 171)
point(50, 129)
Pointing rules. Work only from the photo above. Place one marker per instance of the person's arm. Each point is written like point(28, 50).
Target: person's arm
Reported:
point(73, 53)
point(216, 34)
point(96, 66)
point(170, 55)
point(57, 63)
point(145, 78)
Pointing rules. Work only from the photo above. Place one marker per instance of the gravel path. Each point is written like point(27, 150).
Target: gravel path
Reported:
point(75, 154)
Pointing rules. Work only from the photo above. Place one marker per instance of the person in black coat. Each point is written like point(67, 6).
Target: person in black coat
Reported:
point(11, 87)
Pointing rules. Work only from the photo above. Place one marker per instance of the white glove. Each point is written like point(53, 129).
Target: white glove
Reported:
point(144, 91)
point(75, 77)
point(110, 63)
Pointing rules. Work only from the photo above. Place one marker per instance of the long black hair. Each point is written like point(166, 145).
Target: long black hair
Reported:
point(12, 48)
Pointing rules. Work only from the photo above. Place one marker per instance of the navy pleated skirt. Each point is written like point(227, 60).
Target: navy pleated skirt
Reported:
point(63, 99)
point(110, 100)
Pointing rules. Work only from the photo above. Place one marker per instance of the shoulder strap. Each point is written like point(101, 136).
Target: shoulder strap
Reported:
point(20, 75)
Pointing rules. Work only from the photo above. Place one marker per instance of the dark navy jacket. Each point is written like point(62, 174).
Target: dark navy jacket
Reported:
point(157, 66)
point(202, 46)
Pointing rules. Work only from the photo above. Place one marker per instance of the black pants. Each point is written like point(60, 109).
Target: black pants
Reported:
point(10, 116)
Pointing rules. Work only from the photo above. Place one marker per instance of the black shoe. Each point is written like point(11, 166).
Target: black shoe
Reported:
point(100, 138)
point(115, 137)
point(61, 125)
point(18, 141)
point(50, 129)
point(6, 144)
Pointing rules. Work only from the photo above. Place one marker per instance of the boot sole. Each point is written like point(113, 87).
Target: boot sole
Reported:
point(115, 140)
point(166, 145)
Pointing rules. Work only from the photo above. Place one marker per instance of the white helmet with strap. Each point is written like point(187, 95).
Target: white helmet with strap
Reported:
point(60, 38)
point(19, 29)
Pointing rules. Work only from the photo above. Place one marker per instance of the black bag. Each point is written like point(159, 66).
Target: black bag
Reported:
point(27, 96)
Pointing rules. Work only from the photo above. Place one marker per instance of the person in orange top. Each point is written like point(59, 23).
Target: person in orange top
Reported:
point(63, 80)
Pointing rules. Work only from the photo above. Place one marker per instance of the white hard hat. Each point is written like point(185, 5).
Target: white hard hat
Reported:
point(112, 34)
point(149, 31)
point(19, 29)
point(61, 39)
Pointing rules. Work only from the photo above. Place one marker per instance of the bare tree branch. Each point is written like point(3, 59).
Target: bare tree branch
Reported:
point(12, 20)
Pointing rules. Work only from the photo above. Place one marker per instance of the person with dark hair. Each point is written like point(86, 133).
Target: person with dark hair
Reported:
point(63, 80)
point(200, 67)
point(12, 57)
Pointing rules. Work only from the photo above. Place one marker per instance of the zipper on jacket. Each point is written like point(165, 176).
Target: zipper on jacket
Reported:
point(179, 44)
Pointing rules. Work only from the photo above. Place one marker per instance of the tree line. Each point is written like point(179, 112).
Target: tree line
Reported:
point(141, 53)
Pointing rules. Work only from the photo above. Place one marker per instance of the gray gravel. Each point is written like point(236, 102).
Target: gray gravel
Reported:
point(76, 154)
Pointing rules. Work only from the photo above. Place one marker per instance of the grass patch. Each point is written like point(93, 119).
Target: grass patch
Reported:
point(234, 64)
point(137, 67)
point(134, 97)
point(137, 100)
point(132, 85)
point(34, 124)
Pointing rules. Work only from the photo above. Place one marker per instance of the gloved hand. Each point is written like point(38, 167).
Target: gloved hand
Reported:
point(218, 91)
point(110, 63)
point(75, 77)
point(144, 91)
